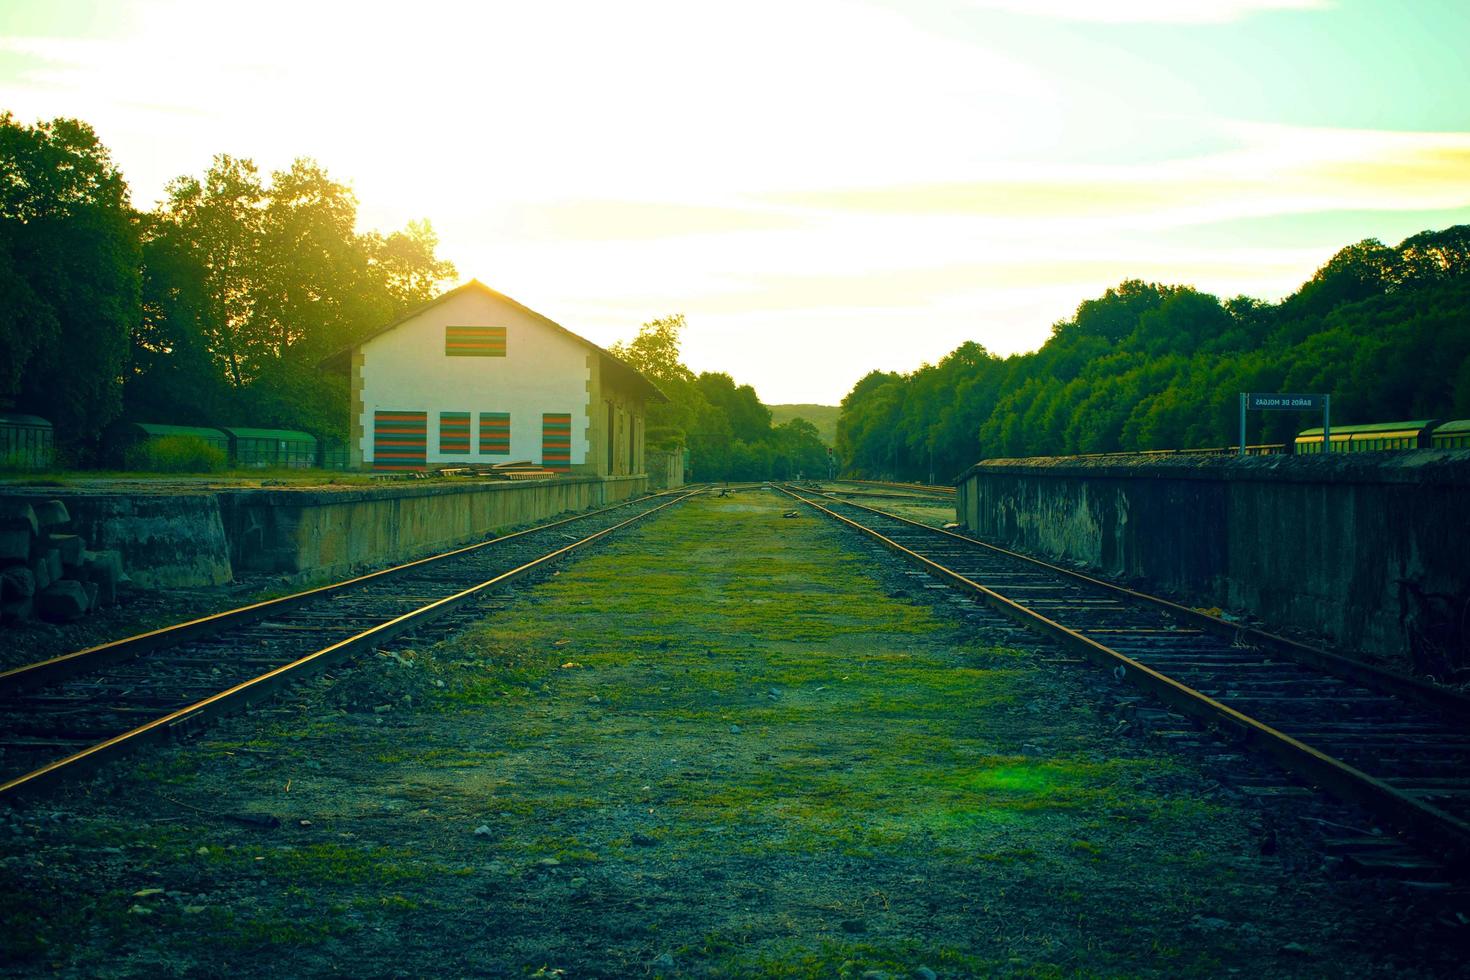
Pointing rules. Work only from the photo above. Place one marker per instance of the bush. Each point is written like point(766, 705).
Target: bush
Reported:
point(176, 454)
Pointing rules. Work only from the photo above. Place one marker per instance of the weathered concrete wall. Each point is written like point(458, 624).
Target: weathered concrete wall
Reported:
point(171, 537)
point(1353, 547)
point(327, 531)
point(167, 540)
point(665, 469)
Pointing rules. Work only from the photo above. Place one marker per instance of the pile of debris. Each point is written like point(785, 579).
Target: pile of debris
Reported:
point(46, 571)
point(523, 470)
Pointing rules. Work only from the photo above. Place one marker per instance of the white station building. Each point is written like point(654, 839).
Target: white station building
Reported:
point(473, 377)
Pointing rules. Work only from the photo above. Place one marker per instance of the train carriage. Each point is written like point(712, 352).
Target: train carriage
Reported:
point(270, 448)
point(1451, 435)
point(26, 442)
point(1370, 437)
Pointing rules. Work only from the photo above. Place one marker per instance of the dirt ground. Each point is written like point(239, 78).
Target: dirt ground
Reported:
point(725, 745)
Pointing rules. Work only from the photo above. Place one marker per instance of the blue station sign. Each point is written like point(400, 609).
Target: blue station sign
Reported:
point(1270, 402)
point(1287, 402)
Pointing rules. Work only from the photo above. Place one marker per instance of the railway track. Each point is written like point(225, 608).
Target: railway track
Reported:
point(61, 717)
point(922, 490)
point(1396, 746)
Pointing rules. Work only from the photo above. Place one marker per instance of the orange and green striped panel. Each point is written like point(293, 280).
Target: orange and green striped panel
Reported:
point(495, 433)
point(556, 442)
point(474, 341)
point(400, 440)
point(454, 433)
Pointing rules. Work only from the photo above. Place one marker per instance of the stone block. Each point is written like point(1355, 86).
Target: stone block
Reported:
point(15, 610)
point(100, 561)
point(62, 602)
point(71, 547)
point(15, 545)
point(17, 582)
point(41, 572)
point(18, 514)
point(52, 514)
point(52, 558)
point(99, 566)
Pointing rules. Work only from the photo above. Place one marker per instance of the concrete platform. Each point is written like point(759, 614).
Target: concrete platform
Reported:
point(1367, 549)
point(181, 533)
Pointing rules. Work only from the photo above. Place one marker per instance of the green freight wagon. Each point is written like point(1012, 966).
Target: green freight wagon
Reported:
point(26, 442)
point(1376, 436)
point(1451, 435)
point(271, 448)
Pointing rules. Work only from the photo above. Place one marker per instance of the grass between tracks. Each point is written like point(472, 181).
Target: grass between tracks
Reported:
point(723, 745)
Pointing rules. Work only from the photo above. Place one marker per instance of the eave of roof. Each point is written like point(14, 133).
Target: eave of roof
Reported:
point(281, 435)
point(340, 359)
point(161, 429)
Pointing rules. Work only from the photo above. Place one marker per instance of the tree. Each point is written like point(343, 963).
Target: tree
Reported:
point(69, 273)
point(172, 374)
point(654, 352)
point(726, 428)
point(1149, 366)
point(219, 222)
point(406, 263)
point(750, 421)
point(798, 451)
point(263, 280)
point(1367, 268)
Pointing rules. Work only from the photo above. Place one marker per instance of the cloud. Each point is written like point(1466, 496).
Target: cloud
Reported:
point(978, 284)
point(1274, 170)
point(1149, 11)
point(612, 220)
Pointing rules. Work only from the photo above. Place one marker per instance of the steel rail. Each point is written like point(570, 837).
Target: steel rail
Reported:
point(1443, 833)
point(42, 673)
point(922, 487)
point(257, 688)
point(1452, 703)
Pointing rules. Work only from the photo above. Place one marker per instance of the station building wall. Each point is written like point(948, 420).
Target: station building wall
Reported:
point(615, 422)
point(423, 389)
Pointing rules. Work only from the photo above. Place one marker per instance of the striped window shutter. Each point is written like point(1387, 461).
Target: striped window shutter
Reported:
point(400, 440)
point(474, 341)
point(454, 432)
point(556, 442)
point(495, 433)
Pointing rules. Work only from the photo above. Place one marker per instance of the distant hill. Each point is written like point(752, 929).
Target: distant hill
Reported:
point(824, 417)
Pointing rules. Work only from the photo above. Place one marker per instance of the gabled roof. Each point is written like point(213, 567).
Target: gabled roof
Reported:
point(341, 358)
point(13, 418)
point(158, 429)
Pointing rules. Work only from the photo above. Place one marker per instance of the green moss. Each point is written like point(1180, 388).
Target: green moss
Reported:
point(732, 955)
point(281, 932)
point(323, 863)
point(386, 903)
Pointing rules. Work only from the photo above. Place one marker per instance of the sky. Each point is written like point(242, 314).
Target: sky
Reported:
point(822, 187)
